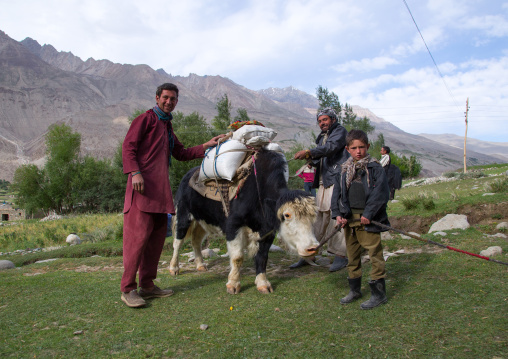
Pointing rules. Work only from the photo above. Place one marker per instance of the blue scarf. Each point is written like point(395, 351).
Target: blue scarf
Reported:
point(164, 117)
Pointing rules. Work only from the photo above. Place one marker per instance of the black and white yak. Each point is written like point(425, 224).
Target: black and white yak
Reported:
point(262, 207)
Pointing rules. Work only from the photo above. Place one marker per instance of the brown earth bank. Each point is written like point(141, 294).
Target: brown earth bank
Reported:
point(481, 214)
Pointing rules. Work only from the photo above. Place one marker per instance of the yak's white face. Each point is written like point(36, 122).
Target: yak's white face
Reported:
point(295, 230)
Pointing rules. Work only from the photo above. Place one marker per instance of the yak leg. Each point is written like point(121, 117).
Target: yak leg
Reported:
point(261, 261)
point(235, 250)
point(198, 235)
point(174, 265)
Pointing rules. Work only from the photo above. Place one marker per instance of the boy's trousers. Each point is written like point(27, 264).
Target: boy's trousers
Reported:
point(357, 239)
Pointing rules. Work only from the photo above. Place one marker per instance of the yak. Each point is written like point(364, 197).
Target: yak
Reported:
point(262, 207)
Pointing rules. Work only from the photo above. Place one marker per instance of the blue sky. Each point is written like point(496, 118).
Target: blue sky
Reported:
point(368, 52)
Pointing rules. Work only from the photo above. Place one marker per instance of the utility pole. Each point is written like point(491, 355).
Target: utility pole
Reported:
point(465, 136)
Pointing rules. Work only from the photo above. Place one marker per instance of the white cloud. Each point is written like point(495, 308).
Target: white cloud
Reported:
point(368, 52)
point(365, 65)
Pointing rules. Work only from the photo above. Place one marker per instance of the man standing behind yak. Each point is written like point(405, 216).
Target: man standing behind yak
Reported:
point(147, 150)
point(327, 157)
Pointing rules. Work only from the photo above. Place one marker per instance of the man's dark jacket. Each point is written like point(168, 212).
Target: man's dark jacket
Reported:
point(333, 153)
point(377, 194)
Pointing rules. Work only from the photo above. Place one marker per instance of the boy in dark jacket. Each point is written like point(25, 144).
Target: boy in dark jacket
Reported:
point(359, 197)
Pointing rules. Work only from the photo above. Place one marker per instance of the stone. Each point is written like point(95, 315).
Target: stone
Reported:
point(502, 225)
point(488, 194)
point(450, 221)
point(203, 327)
point(440, 233)
point(5, 264)
point(491, 251)
point(497, 235)
point(386, 235)
point(208, 253)
point(274, 248)
point(73, 239)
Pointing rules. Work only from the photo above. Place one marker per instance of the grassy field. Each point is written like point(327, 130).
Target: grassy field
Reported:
point(442, 304)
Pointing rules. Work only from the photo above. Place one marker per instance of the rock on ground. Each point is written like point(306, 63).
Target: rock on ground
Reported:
point(491, 251)
point(450, 221)
point(5, 264)
point(502, 225)
point(73, 238)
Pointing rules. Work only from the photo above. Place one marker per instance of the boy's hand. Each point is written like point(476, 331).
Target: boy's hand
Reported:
point(364, 220)
point(341, 222)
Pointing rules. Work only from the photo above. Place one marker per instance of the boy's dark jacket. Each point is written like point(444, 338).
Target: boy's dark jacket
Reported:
point(377, 194)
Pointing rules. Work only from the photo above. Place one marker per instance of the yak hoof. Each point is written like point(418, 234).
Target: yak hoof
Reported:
point(266, 289)
point(233, 289)
point(202, 268)
point(174, 272)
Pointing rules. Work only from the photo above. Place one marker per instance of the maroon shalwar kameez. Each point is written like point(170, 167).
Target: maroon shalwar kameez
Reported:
point(146, 149)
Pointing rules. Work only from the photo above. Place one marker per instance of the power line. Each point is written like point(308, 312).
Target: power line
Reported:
point(432, 57)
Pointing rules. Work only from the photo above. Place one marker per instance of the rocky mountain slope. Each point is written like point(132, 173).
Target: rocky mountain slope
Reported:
point(40, 86)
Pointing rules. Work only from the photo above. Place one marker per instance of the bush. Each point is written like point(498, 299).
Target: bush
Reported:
point(472, 174)
point(410, 202)
point(499, 186)
point(425, 198)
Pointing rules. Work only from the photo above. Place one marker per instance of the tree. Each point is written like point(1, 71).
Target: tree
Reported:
point(191, 130)
point(241, 115)
point(223, 118)
point(98, 186)
point(135, 114)
point(29, 185)
point(375, 146)
point(62, 151)
point(328, 100)
point(345, 114)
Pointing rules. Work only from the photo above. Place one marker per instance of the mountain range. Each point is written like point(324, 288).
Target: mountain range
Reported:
point(40, 86)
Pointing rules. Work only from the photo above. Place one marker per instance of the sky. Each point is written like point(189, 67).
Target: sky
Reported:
point(369, 52)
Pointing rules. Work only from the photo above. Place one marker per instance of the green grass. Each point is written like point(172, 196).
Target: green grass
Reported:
point(448, 197)
point(442, 304)
point(34, 233)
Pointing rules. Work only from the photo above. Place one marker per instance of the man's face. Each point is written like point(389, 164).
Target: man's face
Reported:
point(383, 151)
point(324, 122)
point(357, 149)
point(167, 101)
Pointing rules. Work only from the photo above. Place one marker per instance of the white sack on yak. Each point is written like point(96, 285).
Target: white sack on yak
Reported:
point(222, 161)
point(254, 135)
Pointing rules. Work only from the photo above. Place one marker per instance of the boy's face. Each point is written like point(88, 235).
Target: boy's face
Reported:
point(357, 149)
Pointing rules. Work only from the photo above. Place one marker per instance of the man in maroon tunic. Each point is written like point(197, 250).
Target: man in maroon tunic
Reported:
point(146, 152)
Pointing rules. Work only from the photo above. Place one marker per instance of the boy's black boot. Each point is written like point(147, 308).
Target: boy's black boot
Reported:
point(355, 293)
point(378, 294)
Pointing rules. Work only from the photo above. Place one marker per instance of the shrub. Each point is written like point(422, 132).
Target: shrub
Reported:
point(410, 202)
point(425, 198)
point(499, 185)
point(471, 174)
point(450, 174)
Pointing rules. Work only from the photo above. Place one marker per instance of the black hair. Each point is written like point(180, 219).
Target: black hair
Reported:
point(387, 149)
point(167, 86)
point(357, 135)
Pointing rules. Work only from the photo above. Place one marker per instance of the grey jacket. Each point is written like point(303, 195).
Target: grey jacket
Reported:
point(333, 153)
